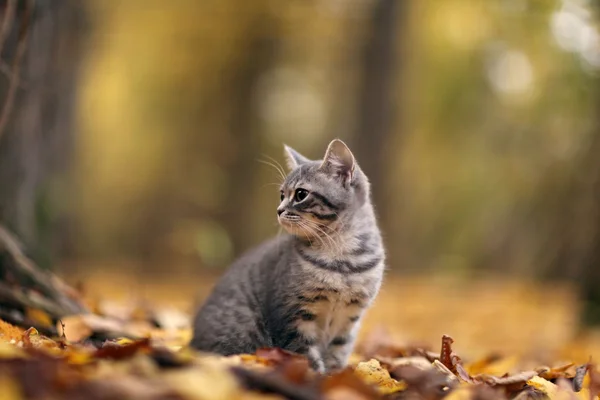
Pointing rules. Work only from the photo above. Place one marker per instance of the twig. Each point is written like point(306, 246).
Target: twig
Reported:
point(7, 21)
point(16, 67)
point(18, 299)
point(23, 321)
point(50, 285)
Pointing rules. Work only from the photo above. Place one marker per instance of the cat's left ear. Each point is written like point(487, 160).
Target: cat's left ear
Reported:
point(293, 158)
point(339, 160)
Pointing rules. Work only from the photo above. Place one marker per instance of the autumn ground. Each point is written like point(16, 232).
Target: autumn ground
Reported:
point(499, 327)
point(513, 317)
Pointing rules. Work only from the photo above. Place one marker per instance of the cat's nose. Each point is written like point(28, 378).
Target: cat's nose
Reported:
point(280, 211)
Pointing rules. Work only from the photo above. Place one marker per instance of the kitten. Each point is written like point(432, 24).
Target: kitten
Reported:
point(306, 291)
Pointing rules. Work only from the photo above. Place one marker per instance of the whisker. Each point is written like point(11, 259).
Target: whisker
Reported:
point(281, 174)
point(276, 163)
point(271, 184)
point(312, 231)
point(335, 247)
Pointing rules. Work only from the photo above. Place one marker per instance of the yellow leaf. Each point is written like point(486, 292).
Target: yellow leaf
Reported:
point(39, 316)
point(543, 386)
point(495, 368)
point(123, 341)
point(371, 372)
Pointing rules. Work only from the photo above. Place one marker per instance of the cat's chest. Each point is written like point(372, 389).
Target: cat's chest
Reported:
point(332, 304)
point(328, 316)
point(342, 288)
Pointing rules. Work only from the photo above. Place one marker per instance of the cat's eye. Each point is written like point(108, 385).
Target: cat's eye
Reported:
point(300, 194)
point(282, 196)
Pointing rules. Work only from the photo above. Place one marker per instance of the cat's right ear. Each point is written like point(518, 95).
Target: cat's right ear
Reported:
point(293, 158)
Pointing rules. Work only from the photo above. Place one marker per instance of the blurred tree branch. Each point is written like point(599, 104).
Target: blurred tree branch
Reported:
point(24, 286)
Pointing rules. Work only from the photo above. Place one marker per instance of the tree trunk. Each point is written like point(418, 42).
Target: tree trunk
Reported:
point(38, 42)
point(376, 118)
point(572, 251)
point(37, 84)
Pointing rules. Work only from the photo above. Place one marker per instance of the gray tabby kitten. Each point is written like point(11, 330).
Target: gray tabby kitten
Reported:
point(307, 291)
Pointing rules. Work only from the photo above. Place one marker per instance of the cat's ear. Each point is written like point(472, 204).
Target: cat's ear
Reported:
point(339, 160)
point(293, 158)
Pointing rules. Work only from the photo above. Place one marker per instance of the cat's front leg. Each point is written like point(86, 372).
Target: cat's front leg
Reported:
point(338, 352)
point(305, 345)
point(316, 360)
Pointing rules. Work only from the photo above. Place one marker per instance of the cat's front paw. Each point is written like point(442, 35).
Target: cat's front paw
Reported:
point(334, 366)
point(316, 361)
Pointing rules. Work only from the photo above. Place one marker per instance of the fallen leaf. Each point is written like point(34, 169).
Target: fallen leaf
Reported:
point(348, 383)
point(429, 384)
point(371, 372)
point(115, 351)
point(39, 317)
point(580, 374)
point(275, 356)
point(446, 353)
point(543, 385)
point(9, 332)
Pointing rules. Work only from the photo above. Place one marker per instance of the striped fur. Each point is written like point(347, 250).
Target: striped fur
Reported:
point(308, 290)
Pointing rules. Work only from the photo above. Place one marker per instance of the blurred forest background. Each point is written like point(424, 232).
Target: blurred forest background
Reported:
point(132, 131)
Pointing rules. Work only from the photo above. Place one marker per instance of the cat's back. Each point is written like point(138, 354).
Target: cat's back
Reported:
point(250, 272)
point(234, 308)
point(260, 258)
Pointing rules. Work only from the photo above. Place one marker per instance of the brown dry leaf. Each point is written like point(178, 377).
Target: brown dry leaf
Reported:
point(345, 393)
point(275, 356)
point(520, 378)
point(417, 362)
point(116, 351)
point(463, 374)
point(429, 384)
point(371, 372)
point(347, 384)
point(74, 328)
point(32, 339)
point(446, 353)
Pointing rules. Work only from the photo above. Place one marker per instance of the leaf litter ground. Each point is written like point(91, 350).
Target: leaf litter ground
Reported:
point(137, 350)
